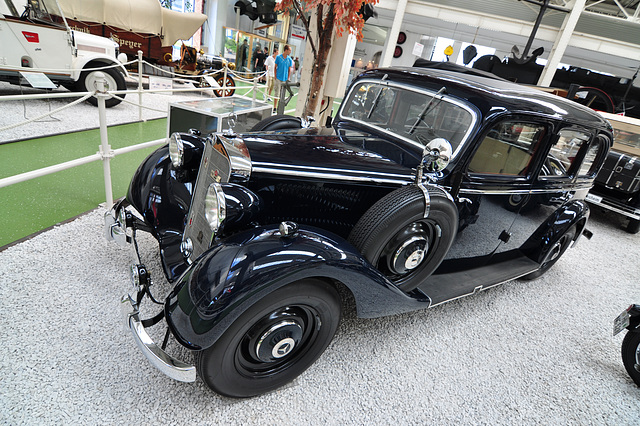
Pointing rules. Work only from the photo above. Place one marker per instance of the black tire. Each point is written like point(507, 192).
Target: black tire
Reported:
point(86, 83)
point(553, 254)
point(300, 318)
point(518, 202)
point(277, 122)
point(220, 80)
point(630, 346)
point(633, 227)
point(399, 241)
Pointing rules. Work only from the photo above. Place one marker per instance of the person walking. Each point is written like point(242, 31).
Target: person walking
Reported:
point(270, 63)
point(260, 56)
point(284, 63)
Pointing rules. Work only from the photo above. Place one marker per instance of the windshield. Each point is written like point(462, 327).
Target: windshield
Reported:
point(416, 116)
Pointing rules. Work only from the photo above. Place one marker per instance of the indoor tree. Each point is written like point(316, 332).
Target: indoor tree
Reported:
point(331, 16)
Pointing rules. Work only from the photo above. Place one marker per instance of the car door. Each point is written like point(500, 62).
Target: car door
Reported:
point(501, 170)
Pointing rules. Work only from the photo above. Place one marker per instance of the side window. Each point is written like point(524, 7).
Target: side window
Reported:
point(587, 168)
point(508, 149)
point(564, 152)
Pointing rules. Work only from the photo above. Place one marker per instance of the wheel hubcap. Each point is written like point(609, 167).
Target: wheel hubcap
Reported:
point(278, 341)
point(408, 249)
point(410, 254)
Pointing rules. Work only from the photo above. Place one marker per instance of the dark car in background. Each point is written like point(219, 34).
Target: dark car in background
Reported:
point(409, 200)
point(617, 186)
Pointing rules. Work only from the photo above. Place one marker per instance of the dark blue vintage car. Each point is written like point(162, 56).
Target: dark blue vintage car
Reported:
point(429, 186)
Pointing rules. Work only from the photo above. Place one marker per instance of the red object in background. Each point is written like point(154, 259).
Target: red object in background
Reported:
point(31, 37)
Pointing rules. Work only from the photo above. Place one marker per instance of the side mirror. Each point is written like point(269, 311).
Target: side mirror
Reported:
point(435, 157)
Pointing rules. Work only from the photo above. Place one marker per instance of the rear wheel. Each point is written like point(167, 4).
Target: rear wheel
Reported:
point(631, 355)
point(633, 227)
point(553, 254)
point(274, 341)
point(230, 85)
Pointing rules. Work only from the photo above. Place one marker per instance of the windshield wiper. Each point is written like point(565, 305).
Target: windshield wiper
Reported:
point(426, 108)
point(377, 98)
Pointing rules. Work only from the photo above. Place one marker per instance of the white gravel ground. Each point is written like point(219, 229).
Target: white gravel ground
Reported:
point(537, 352)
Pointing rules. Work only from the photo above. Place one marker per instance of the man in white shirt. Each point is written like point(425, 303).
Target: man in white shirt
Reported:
point(270, 63)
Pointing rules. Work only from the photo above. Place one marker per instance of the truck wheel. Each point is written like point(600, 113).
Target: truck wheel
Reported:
point(555, 251)
point(633, 227)
point(631, 355)
point(277, 122)
point(115, 81)
point(399, 241)
point(273, 341)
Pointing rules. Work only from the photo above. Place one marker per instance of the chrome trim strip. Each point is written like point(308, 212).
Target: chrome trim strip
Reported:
point(519, 191)
point(632, 215)
point(417, 89)
point(327, 169)
point(164, 362)
point(336, 176)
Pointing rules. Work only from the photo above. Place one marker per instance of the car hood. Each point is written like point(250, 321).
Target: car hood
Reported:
point(324, 154)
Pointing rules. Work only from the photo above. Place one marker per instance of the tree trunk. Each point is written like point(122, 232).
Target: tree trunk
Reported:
point(325, 33)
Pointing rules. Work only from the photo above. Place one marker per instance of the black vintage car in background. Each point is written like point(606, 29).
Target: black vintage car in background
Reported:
point(617, 186)
point(412, 198)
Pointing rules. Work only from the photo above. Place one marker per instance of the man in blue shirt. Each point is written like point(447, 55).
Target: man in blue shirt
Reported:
point(283, 66)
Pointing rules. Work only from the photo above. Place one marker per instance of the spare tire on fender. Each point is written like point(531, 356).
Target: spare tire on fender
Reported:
point(399, 241)
point(277, 122)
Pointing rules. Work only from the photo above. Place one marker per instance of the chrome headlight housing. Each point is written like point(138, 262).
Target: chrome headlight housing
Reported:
point(215, 206)
point(176, 150)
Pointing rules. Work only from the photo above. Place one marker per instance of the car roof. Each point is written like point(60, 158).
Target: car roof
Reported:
point(487, 94)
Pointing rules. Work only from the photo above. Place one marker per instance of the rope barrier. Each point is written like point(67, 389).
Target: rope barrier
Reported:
point(77, 101)
point(136, 104)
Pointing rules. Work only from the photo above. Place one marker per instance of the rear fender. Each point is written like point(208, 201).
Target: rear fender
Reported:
point(573, 213)
point(238, 272)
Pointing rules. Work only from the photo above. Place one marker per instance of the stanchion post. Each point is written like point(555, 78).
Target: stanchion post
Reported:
point(255, 87)
point(105, 150)
point(140, 85)
point(281, 104)
point(224, 82)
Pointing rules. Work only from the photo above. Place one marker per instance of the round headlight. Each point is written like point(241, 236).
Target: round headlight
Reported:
point(176, 150)
point(215, 206)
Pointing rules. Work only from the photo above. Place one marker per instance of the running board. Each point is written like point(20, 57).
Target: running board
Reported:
point(445, 287)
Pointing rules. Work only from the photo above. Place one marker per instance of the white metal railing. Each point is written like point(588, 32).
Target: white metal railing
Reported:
point(105, 152)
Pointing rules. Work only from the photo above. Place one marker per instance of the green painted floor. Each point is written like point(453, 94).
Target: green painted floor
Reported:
point(29, 207)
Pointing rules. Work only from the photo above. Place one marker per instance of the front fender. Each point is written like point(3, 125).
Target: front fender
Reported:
point(162, 196)
point(238, 272)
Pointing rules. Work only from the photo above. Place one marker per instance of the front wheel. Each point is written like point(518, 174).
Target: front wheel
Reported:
point(631, 355)
point(114, 80)
point(274, 341)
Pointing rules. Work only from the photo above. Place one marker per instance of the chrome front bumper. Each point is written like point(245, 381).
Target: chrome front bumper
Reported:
point(164, 362)
point(174, 368)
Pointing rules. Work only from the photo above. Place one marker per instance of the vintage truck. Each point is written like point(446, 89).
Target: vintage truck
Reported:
point(38, 39)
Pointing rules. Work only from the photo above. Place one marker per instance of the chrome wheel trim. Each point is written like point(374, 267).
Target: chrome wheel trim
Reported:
point(413, 259)
point(283, 345)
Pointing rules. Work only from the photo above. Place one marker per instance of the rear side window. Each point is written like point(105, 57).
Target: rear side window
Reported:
point(564, 152)
point(508, 149)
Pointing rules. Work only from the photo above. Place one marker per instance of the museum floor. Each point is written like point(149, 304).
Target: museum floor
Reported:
point(523, 353)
